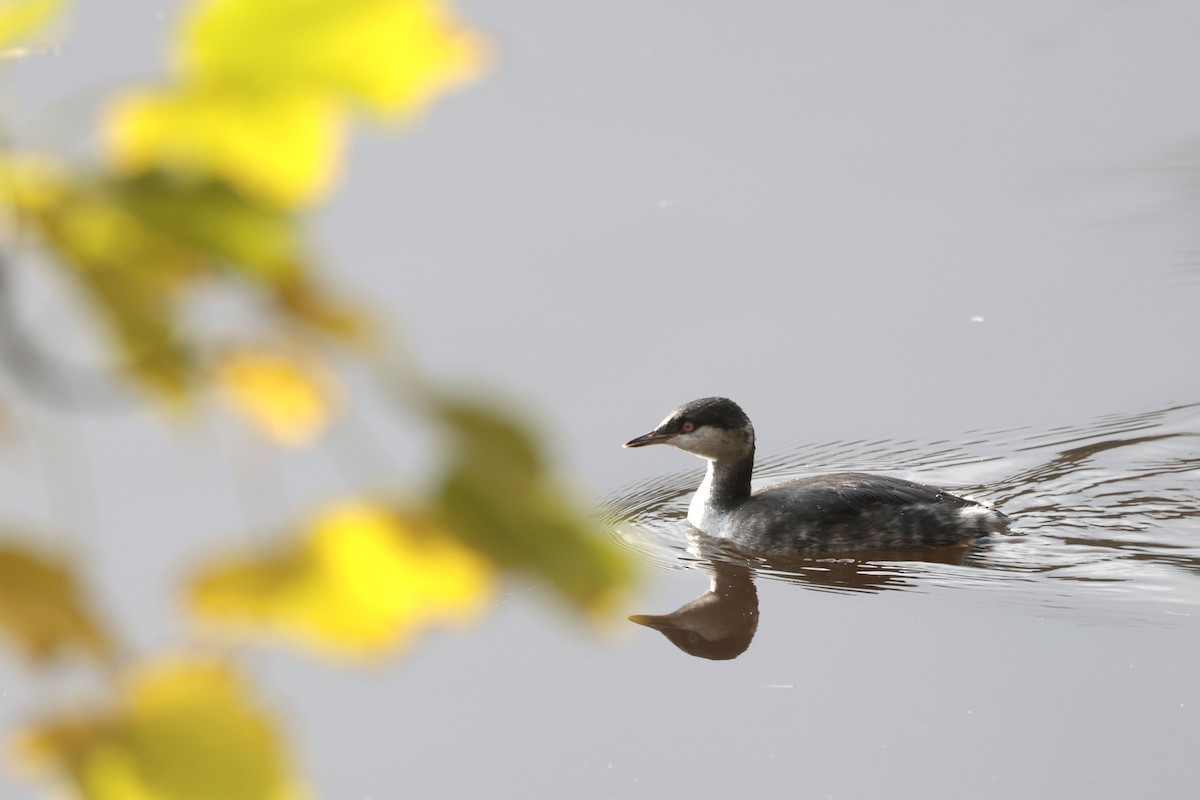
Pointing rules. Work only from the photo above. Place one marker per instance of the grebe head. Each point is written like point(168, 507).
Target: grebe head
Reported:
point(713, 428)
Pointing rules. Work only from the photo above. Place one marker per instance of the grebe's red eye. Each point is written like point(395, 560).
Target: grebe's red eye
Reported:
point(688, 426)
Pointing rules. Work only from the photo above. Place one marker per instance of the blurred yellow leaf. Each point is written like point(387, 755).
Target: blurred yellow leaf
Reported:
point(394, 56)
point(19, 18)
point(280, 147)
point(285, 397)
point(499, 498)
point(363, 580)
point(182, 730)
point(41, 606)
point(262, 86)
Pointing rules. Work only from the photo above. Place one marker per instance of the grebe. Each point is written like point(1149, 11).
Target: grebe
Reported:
point(844, 512)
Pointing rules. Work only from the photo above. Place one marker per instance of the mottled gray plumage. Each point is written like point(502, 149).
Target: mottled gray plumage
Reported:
point(852, 511)
point(838, 513)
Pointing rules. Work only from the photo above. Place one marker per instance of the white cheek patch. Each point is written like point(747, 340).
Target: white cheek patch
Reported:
point(706, 442)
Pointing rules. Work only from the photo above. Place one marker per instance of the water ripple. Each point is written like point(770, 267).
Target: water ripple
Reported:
point(1102, 511)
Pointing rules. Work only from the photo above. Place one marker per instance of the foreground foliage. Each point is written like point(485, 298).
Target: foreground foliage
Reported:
point(203, 184)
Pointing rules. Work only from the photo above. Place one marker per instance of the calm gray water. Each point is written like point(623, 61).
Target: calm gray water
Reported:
point(951, 242)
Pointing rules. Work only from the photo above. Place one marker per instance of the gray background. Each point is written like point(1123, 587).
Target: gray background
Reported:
point(859, 219)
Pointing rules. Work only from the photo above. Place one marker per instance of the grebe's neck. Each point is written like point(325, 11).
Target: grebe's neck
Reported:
point(726, 486)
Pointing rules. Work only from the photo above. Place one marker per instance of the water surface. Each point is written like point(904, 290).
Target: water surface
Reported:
point(1103, 518)
point(953, 242)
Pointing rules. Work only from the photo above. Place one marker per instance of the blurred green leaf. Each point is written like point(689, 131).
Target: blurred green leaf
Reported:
point(130, 273)
point(304, 300)
point(42, 607)
point(499, 498)
point(137, 247)
point(260, 242)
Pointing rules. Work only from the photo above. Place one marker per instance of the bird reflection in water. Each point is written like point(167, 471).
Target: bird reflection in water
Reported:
point(721, 623)
point(718, 624)
point(1107, 509)
point(812, 529)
